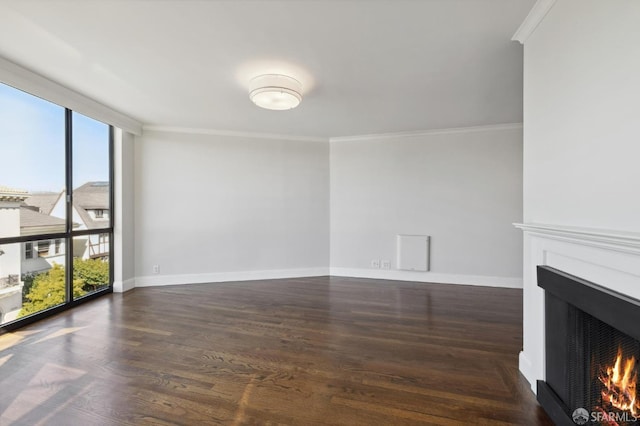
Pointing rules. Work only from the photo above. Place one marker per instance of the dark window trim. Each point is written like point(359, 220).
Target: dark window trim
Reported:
point(68, 134)
point(14, 325)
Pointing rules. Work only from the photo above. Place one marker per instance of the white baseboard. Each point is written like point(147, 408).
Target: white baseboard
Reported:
point(123, 286)
point(429, 277)
point(526, 368)
point(216, 277)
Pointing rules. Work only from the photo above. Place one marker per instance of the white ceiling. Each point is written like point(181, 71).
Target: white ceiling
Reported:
point(366, 66)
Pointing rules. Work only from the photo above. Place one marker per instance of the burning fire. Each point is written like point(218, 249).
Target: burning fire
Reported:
point(620, 385)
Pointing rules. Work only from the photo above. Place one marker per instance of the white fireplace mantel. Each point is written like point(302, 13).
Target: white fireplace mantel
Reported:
point(608, 258)
point(614, 240)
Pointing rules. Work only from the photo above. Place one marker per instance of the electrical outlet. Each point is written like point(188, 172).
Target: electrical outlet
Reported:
point(375, 263)
point(156, 269)
point(385, 264)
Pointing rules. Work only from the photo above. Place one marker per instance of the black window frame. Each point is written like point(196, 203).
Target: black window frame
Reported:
point(69, 233)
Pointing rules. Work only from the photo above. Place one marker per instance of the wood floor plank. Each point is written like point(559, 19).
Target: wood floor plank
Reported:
point(308, 351)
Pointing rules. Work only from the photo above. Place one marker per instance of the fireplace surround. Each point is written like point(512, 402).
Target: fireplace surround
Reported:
point(610, 258)
point(592, 341)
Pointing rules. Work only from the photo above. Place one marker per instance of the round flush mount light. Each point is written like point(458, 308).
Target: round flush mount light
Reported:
point(275, 91)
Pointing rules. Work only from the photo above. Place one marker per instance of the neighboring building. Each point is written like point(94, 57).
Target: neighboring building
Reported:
point(91, 210)
point(36, 218)
point(44, 201)
point(39, 256)
point(10, 256)
point(23, 213)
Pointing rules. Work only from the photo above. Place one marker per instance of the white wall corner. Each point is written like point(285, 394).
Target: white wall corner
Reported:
point(124, 286)
point(533, 19)
point(429, 277)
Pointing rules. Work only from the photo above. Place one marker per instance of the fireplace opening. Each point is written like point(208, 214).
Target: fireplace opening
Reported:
point(602, 369)
point(592, 352)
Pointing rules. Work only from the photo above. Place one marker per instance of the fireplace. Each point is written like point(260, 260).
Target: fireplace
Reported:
point(592, 352)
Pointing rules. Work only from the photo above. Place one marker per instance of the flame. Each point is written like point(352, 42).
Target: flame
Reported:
point(620, 384)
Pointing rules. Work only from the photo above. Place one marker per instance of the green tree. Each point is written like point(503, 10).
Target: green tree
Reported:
point(48, 290)
point(27, 280)
point(94, 273)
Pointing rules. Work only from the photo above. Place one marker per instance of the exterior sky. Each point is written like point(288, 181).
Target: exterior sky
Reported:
point(32, 153)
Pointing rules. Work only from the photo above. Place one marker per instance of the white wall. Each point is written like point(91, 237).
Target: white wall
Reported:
point(10, 259)
point(10, 227)
point(462, 187)
point(124, 218)
point(9, 219)
point(581, 132)
point(213, 208)
point(128, 206)
point(581, 151)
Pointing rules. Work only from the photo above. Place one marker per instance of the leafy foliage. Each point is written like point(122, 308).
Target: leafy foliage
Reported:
point(48, 291)
point(27, 279)
point(94, 273)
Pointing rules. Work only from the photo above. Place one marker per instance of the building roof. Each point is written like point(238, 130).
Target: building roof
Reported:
point(12, 194)
point(30, 218)
point(44, 201)
point(91, 196)
point(7, 190)
point(33, 222)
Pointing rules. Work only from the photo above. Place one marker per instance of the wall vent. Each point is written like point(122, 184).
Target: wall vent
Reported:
point(413, 252)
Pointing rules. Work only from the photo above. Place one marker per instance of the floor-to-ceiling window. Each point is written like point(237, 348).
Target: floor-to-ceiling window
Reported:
point(56, 203)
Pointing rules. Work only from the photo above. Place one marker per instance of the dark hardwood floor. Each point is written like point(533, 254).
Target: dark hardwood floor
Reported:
point(306, 351)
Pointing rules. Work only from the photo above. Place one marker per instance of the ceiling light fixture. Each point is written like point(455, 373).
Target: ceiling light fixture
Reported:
point(275, 91)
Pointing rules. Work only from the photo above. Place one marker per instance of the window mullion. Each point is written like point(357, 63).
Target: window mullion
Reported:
point(69, 204)
point(112, 203)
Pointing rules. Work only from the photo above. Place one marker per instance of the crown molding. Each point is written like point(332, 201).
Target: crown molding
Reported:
point(231, 133)
point(28, 81)
point(395, 135)
point(398, 135)
point(533, 19)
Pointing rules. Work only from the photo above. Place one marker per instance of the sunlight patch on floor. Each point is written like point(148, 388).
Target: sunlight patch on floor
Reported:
point(61, 332)
point(244, 402)
point(11, 339)
point(45, 384)
point(145, 330)
point(4, 359)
